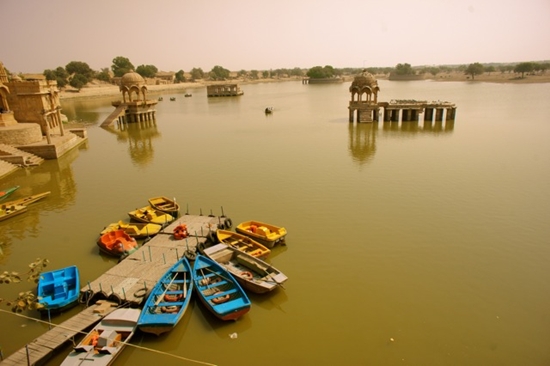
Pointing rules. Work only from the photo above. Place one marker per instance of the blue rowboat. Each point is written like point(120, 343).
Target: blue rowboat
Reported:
point(168, 300)
point(58, 289)
point(218, 290)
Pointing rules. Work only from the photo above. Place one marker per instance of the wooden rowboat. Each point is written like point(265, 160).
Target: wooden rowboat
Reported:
point(266, 234)
point(7, 211)
point(106, 340)
point(117, 243)
point(25, 201)
point(218, 290)
point(168, 300)
point(242, 243)
point(152, 215)
point(58, 289)
point(165, 204)
point(138, 230)
point(252, 273)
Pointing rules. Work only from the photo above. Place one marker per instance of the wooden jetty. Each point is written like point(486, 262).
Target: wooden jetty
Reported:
point(41, 348)
point(127, 283)
point(133, 277)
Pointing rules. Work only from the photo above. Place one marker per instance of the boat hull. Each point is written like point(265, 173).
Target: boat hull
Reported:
point(218, 290)
point(169, 299)
point(266, 234)
point(59, 289)
point(243, 243)
point(166, 205)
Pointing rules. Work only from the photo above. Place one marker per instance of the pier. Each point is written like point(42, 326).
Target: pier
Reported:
point(126, 284)
point(223, 90)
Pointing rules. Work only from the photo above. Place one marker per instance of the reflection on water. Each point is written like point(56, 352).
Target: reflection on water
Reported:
point(439, 240)
point(140, 138)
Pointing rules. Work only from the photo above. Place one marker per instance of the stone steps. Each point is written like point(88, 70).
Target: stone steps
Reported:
point(18, 157)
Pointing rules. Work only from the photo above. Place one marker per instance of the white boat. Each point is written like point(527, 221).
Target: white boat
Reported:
point(103, 344)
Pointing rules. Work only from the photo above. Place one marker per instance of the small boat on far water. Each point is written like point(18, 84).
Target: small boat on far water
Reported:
point(58, 289)
point(5, 193)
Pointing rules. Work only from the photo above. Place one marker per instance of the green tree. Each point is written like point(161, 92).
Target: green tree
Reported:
point(79, 67)
point(218, 73)
point(474, 69)
point(242, 73)
point(254, 74)
point(78, 81)
point(296, 72)
point(121, 65)
point(404, 69)
point(265, 74)
point(180, 76)
point(318, 72)
point(523, 67)
point(147, 71)
point(196, 73)
point(60, 75)
point(104, 75)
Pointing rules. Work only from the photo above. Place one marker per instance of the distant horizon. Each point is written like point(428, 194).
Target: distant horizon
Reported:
point(250, 35)
point(302, 68)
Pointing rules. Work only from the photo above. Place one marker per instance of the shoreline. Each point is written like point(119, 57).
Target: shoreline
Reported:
point(109, 90)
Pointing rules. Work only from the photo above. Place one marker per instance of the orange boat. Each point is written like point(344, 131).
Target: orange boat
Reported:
point(117, 243)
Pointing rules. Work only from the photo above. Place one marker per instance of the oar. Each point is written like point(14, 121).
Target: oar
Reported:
point(184, 285)
point(166, 290)
point(208, 269)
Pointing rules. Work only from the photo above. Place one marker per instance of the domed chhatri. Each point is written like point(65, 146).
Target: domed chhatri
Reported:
point(364, 97)
point(132, 78)
point(134, 107)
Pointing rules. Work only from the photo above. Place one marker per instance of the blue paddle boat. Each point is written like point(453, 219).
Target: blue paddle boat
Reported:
point(58, 289)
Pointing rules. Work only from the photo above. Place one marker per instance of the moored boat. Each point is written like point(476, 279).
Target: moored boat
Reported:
point(117, 243)
point(266, 234)
point(218, 290)
point(165, 204)
point(29, 199)
point(58, 289)
point(106, 340)
point(138, 230)
point(5, 193)
point(252, 273)
point(168, 300)
point(243, 243)
point(150, 214)
point(7, 211)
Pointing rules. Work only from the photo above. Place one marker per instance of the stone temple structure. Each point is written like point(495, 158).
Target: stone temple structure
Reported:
point(134, 106)
point(364, 98)
point(31, 127)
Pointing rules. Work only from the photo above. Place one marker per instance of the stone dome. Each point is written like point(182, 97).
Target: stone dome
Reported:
point(131, 78)
point(365, 79)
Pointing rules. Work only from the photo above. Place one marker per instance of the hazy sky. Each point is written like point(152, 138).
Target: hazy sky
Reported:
point(178, 35)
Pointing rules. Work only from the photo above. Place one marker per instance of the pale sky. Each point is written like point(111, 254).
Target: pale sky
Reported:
point(260, 35)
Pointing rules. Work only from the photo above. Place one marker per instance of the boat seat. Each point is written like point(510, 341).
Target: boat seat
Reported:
point(222, 293)
point(60, 290)
point(250, 264)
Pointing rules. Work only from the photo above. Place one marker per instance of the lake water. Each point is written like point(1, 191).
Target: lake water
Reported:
point(408, 244)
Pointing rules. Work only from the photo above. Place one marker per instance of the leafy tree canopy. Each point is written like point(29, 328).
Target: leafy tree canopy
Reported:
point(474, 69)
point(218, 73)
point(180, 76)
point(404, 69)
point(318, 72)
point(121, 65)
point(197, 73)
point(104, 75)
point(78, 81)
point(78, 67)
point(147, 71)
point(523, 67)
